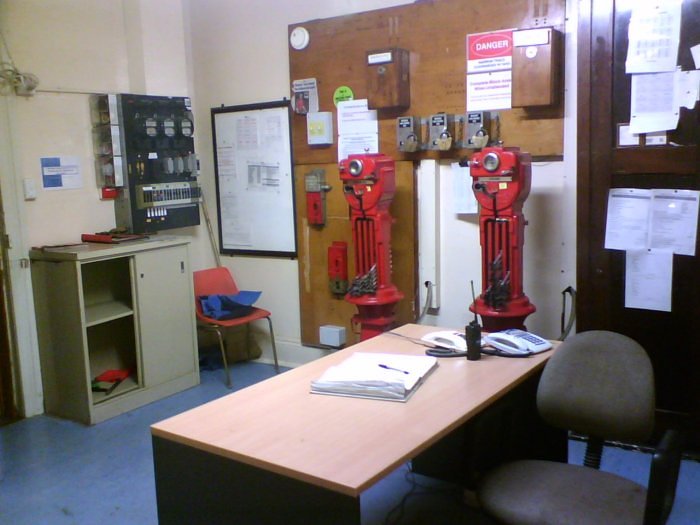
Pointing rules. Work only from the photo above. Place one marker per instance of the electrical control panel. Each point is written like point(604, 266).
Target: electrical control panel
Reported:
point(156, 164)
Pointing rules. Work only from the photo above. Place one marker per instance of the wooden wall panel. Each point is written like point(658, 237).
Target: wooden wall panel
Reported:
point(318, 305)
point(435, 34)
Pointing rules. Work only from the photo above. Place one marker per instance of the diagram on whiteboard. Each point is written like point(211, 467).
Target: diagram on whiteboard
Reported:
point(254, 179)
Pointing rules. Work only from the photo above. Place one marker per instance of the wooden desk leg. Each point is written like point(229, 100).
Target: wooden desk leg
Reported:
point(194, 487)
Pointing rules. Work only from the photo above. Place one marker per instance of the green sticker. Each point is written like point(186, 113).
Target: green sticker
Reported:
point(341, 94)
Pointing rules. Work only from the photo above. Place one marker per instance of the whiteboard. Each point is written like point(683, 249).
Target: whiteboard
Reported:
point(254, 179)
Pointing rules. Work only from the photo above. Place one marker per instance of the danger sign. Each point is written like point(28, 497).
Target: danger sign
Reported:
point(491, 51)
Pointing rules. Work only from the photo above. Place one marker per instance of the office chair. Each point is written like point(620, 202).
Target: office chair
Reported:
point(600, 384)
point(219, 281)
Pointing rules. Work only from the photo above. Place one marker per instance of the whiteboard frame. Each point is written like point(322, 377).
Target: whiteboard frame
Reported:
point(263, 206)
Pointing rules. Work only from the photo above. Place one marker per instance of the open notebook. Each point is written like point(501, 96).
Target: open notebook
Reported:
point(376, 376)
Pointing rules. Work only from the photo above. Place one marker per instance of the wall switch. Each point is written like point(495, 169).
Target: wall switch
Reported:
point(29, 186)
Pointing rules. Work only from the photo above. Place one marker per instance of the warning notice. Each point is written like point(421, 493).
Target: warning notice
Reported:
point(489, 70)
point(491, 51)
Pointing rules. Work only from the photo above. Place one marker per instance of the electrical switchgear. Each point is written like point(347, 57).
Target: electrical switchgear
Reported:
point(145, 148)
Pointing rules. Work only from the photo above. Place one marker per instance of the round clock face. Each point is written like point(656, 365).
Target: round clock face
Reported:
point(299, 38)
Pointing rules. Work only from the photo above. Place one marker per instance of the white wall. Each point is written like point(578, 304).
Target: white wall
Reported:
point(75, 47)
point(217, 52)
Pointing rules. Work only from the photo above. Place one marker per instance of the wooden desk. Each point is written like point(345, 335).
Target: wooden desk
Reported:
point(274, 453)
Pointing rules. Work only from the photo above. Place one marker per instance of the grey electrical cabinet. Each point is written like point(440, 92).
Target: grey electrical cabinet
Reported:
point(114, 307)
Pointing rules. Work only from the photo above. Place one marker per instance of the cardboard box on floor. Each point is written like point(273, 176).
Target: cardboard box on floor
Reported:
point(237, 348)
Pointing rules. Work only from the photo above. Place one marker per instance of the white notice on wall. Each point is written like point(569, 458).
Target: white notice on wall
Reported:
point(654, 35)
point(463, 199)
point(489, 91)
point(654, 104)
point(648, 279)
point(61, 173)
point(659, 219)
point(627, 224)
point(358, 128)
point(674, 219)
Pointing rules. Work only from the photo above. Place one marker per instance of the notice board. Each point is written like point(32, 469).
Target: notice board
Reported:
point(254, 179)
point(434, 33)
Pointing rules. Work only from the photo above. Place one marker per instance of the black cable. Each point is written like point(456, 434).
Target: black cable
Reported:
point(400, 507)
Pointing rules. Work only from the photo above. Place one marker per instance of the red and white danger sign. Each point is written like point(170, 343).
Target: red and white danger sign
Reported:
point(492, 51)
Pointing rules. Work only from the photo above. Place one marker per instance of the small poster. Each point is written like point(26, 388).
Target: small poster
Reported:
point(305, 96)
point(61, 173)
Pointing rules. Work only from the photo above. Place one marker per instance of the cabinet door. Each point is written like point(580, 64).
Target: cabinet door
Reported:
point(165, 303)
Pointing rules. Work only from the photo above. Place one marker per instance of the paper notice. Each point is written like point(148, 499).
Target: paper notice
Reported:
point(654, 35)
point(648, 280)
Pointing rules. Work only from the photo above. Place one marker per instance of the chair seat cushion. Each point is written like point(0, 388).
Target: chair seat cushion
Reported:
point(548, 493)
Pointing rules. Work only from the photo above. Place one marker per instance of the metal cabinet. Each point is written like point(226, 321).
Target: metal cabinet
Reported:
point(108, 307)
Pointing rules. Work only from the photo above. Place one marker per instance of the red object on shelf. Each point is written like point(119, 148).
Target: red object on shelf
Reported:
point(110, 376)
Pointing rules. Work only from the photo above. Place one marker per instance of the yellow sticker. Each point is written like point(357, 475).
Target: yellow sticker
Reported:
point(502, 185)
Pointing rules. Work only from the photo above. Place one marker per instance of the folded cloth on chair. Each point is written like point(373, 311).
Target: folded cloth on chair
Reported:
point(228, 306)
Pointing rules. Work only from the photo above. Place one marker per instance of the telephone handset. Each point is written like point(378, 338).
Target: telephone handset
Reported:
point(447, 339)
point(516, 341)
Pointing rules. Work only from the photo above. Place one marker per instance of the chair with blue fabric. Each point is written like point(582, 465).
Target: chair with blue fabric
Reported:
point(219, 282)
point(598, 384)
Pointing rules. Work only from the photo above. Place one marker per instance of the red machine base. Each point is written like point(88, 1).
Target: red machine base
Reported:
point(512, 316)
point(375, 312)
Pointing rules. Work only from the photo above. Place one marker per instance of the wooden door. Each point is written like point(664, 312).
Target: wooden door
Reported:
point(603, 104)
point(8, 410)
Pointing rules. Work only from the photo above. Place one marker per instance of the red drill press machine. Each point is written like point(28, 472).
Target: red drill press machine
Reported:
point(369, 185)
point(502, 178)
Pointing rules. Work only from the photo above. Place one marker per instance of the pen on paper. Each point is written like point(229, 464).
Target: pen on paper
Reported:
point(387, 367)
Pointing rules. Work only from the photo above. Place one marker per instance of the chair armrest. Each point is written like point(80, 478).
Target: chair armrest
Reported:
point(663, 477)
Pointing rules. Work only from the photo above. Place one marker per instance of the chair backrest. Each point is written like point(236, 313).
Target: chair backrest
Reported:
point(213, 281)
point(601, 384)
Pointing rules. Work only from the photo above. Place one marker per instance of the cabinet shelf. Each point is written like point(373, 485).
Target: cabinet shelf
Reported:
point(105, 312)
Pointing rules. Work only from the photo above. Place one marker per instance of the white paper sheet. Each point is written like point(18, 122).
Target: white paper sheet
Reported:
point(674, 219)
point(654, 104)
point(688, 88)
point(695, 51)
point(648, 279)
point(654, 36)
point(627, 224)
point(463, 199)
point(489, 91)
point(660, 219)
point(358, 129)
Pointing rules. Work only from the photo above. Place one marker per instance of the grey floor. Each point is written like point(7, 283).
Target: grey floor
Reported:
point(59, 472)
